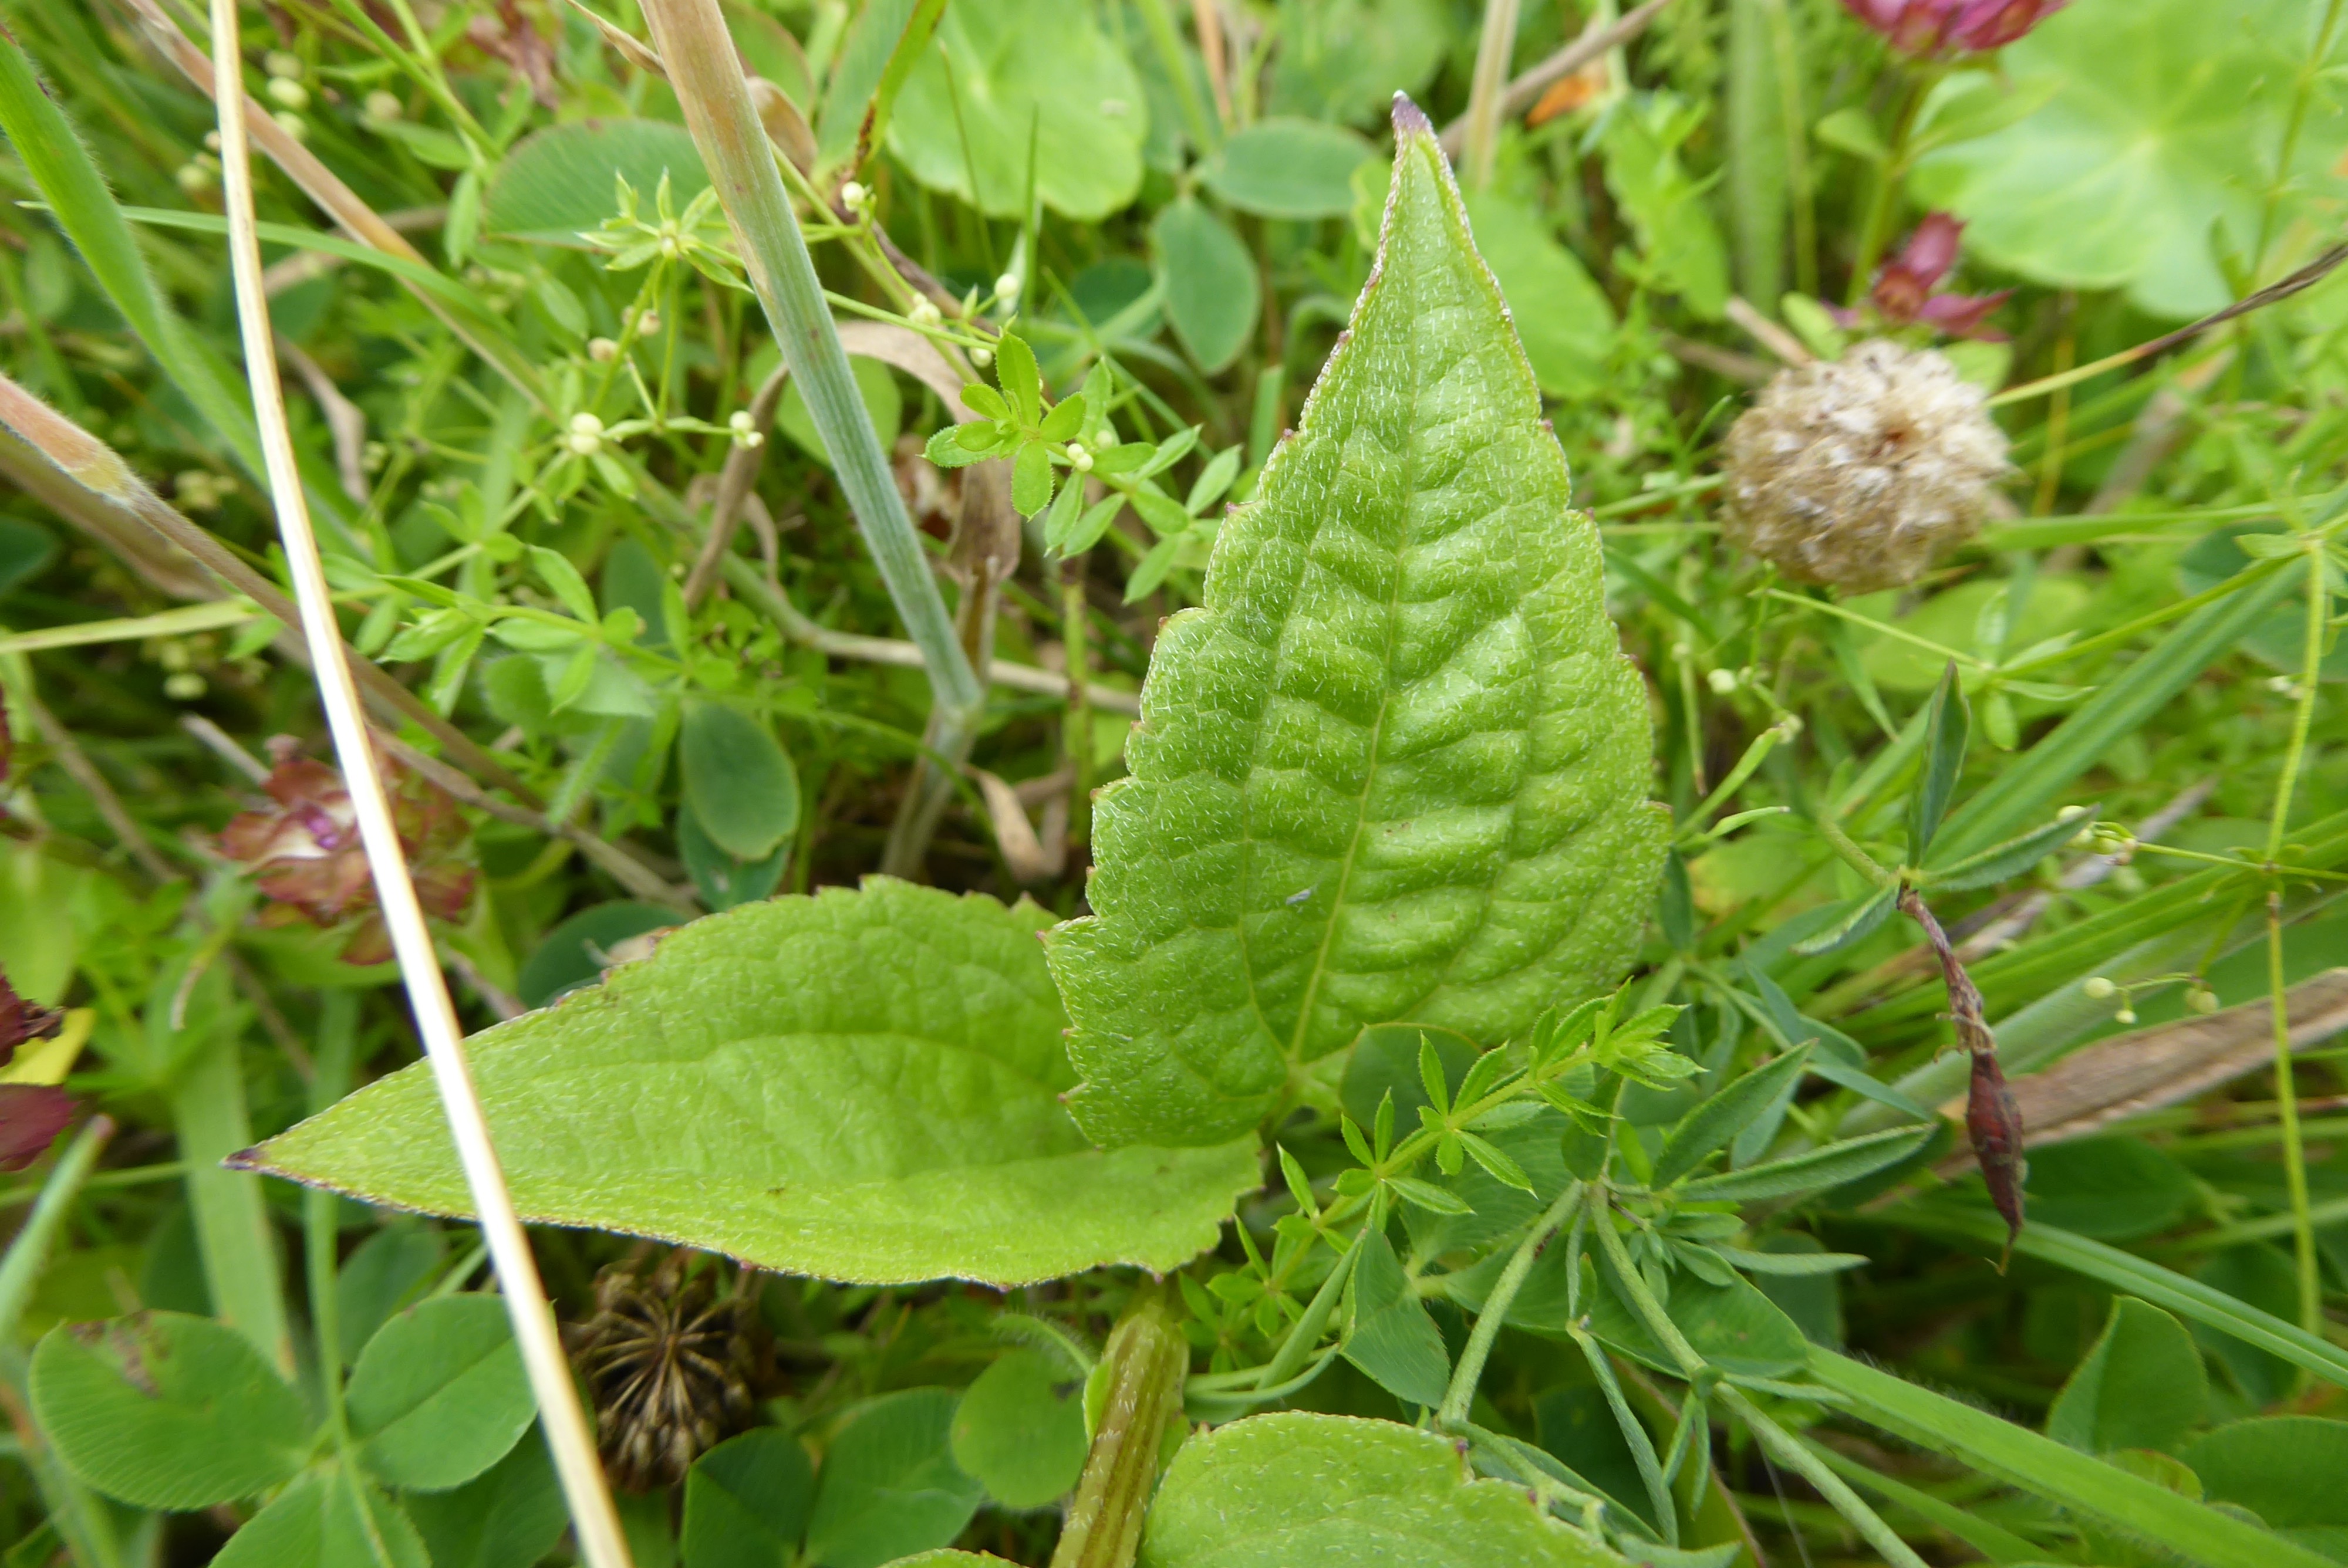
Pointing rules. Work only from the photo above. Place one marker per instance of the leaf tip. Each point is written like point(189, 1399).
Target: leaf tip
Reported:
point(1409, 119)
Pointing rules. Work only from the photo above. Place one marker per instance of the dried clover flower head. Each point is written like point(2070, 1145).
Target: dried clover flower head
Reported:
point(1856, 472)
point(670, 1362)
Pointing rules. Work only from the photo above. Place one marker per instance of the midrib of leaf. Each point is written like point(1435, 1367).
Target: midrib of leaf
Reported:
point(1411, 454)
point(1512, 850)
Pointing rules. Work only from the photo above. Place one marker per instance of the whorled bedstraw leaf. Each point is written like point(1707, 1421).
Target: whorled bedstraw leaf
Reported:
point(1395, 768)
point(860, 1085)
point(1298, 1490)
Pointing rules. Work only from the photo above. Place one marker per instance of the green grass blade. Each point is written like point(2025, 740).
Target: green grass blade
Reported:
point(2123, 1271)
point(79, 199)
point(233, 1234)
point(425, 278)
point(1993, 1541)
point(2191, 1530)
point(2023, 791)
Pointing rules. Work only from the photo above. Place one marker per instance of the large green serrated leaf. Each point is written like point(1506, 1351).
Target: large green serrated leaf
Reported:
point(860, 1085)
point(1305, 1491)
point(1395, 767)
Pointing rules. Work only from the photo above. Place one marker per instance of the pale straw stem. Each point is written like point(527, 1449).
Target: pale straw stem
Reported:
point(566, 1423)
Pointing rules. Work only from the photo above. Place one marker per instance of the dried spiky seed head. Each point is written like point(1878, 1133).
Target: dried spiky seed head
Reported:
point(1856, 472)
point(669, 1361)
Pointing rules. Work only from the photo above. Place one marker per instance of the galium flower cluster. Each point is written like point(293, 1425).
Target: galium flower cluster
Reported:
point(1857, 472)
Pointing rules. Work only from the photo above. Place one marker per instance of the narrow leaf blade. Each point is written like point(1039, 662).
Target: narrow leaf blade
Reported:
point(1723, 1116)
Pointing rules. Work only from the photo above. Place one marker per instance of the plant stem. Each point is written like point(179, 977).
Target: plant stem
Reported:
point(706, 73)
point(29, 1251)
point(80, 1519)
point(1790, 1454)
point(2303, 87)
point(1145, 1363)
point(1771, 1436)
point(1307, 1330)
point(2294, 1154)
point(232, 1230)
point(1076, 724)
point(337, 1046)
point(1159, 23)
point(1461, 1393)
point(560, 1416)
point(1883, 197)
point(1487, 89)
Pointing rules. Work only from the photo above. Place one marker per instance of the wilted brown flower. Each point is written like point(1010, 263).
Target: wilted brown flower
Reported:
point(306, 857)
point(668, 1363)
point(1856, 471)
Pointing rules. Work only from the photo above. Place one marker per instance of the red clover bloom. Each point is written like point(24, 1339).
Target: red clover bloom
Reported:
point(1907, 288)
point(1929, 27)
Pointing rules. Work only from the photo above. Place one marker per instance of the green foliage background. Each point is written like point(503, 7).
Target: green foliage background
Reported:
point(1692, 1275)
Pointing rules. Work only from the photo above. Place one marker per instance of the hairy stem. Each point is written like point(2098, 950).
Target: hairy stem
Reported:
point(1462, 1391)
point(1145, 1364)
point(706, 73)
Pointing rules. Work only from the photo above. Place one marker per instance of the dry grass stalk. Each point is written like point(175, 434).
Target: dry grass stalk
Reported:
point(594, 1520)
point(163, 545)
point(340, 203)
point(2127, 1075)
point(1528, 87)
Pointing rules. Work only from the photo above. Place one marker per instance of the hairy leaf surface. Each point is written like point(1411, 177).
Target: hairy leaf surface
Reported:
point(1394, 768)
point(1307, 1491)
point(860, 1085)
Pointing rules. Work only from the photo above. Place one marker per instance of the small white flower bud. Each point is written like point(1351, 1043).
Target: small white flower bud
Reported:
point(1104, 438)
point(924, 313)
point(852, 195)
point(1007, 288)
point(194, 178)
point(381, 105)
point(602, 349)
point(280, 64)
point(1079, 459)
point(2125, 1015)
point(586, 438)
point(2201, 999)
point(291, 124)
point(981, 357)
point(2099, 987)
point(746, 434)
point(1722, 682)
point(287, 93)
point(648, 325)
point(211, 142)
point(184, 687)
